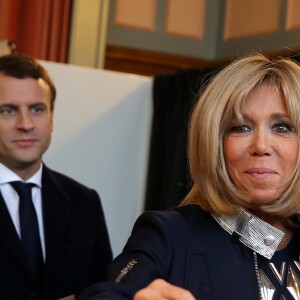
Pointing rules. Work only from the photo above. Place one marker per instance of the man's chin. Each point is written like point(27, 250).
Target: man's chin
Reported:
point(25, 164)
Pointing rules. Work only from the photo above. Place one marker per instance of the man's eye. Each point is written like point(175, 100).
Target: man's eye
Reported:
point(37, 109)
point(7, 110)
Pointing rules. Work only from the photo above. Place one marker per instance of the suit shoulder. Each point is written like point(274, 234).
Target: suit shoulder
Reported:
point(68, 187)
point(63, 179)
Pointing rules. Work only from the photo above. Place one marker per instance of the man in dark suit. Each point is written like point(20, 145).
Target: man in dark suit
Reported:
point(56, 244)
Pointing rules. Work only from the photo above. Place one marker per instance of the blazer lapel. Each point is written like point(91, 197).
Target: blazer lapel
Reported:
point(55, 211)
point(9, 236)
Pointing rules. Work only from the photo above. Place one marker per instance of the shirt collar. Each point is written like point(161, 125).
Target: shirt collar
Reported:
point(252, 231)
point(6, 175)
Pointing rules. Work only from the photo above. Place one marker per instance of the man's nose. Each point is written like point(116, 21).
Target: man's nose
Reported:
point(25, 121)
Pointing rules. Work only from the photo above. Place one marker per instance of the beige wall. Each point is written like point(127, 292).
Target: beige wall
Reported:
point(88, 33)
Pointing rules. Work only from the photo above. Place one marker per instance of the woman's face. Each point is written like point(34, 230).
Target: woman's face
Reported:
point(261, 152)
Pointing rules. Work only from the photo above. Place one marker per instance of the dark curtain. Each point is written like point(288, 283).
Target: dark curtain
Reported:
point(173, 99)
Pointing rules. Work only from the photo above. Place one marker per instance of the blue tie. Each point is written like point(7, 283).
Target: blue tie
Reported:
point(30, 237)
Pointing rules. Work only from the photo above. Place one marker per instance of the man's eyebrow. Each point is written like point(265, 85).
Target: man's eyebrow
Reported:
point(37, 103)
point(8, 104)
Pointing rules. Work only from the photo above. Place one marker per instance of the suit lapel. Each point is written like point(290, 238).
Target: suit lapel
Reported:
point(55, 211)
point(9, 236)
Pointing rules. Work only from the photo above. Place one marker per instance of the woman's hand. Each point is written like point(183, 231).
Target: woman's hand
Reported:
point(160, 289)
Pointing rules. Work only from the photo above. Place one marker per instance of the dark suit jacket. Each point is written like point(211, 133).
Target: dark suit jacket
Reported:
point(186, 247)
point(77, 245)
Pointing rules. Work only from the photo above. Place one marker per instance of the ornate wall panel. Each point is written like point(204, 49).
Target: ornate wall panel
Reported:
point(154, 37)
point(136, 13)
point(293, 15)
point(185, 20)
point(250, 18)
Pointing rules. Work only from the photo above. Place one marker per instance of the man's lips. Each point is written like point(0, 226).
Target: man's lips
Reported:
point(25, 142)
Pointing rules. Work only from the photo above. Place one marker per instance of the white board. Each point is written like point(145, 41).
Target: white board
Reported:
point(101, 138)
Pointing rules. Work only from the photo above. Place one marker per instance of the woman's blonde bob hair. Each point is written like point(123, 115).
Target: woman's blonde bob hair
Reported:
point(219, 102)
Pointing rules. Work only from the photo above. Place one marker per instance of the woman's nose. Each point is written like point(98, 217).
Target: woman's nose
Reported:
point(261, 143)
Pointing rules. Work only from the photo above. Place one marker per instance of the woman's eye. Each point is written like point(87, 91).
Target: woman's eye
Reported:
point(239, 128)
point(282, 127)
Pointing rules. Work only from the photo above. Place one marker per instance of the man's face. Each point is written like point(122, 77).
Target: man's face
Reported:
point(26, 123)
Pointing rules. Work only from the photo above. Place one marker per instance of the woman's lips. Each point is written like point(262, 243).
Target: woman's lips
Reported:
point(260, 172)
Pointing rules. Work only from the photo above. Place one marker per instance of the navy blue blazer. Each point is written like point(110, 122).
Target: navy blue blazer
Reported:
point(76, 240)
point(186, 247)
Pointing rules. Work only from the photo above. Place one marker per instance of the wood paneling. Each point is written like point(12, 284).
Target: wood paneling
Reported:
point(136, 14)
point(250, 18)
point(292, 16)
point(186, 20)
point(152, 63)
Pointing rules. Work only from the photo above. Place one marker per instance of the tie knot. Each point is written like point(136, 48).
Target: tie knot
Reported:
point(23, 189)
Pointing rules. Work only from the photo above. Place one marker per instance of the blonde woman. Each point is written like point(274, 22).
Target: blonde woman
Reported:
point(236, 234)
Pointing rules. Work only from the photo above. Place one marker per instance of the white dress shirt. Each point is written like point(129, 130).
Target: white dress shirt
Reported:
point(11, 198)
